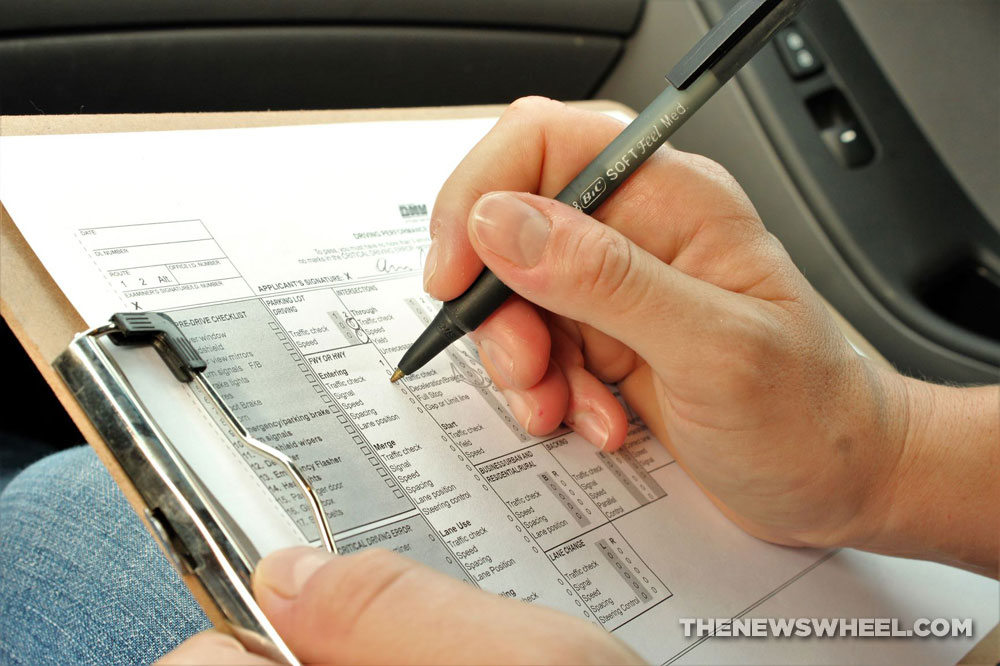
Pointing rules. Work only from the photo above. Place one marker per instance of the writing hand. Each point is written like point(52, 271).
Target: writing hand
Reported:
point(676, 291)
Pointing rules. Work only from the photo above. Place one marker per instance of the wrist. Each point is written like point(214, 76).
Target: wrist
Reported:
point(934, 500)
point(886, 408)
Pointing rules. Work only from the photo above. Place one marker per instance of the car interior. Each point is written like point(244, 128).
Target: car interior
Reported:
point(866, 134)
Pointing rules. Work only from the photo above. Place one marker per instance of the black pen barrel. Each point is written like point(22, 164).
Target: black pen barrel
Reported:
point(456, 318)
point(747, 47)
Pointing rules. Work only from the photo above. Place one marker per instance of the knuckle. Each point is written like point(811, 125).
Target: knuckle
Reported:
point(531, 104)
point(740, 226)
point(747, 354)
point(729, 199)
point(605, 265)
point(616, 366)
point(709, 168)
point(531, 113)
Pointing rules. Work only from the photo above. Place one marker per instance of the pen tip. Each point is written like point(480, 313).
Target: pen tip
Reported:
point(396, 376)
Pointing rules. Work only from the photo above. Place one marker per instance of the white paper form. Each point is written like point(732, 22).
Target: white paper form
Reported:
point(291, 258)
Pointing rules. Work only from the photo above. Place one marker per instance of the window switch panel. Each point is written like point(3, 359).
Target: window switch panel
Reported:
point(799, 56)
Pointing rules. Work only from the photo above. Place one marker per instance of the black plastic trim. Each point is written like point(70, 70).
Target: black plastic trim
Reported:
point(618, 17)
point(261, 68)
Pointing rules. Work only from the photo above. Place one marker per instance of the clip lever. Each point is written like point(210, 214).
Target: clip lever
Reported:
point(160, 331)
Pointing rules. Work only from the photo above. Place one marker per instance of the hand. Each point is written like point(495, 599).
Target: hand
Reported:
point(376, 607)
point(674, 290)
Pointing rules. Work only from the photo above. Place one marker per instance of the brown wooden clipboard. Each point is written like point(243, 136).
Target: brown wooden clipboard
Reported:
point(44, 322)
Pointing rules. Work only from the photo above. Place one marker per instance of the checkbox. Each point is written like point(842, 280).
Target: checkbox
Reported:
point(289, 347)
point(358, 439)
point(390, 483)
point(398, 493)
point(350, 430)
point(303, 367)
point(273, 325)
point(366, 450)
point(342, 418)
point(327, 399)
point(382, 471)
point(373, 460)
point(317, 388)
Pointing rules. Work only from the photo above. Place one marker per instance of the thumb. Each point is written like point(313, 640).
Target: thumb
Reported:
point(382, 608)
point(569, 263)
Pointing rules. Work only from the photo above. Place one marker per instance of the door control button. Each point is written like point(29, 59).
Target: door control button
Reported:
point(794, 40)
point(800, 58)
point(840, 129)
point(848, 144)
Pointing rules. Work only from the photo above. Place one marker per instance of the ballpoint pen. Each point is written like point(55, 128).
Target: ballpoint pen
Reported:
point(707, 66)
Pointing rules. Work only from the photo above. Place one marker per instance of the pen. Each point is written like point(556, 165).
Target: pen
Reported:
point(701, 72)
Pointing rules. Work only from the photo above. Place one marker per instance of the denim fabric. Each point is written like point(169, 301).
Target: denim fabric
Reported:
point(81, 582)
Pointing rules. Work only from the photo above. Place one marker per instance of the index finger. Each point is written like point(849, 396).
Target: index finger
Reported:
point(513, 156)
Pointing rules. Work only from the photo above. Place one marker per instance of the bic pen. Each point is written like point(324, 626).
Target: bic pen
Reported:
point(706, 67)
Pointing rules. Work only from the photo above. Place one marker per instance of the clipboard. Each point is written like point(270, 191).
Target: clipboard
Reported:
point(214, 560)
point(190, 525)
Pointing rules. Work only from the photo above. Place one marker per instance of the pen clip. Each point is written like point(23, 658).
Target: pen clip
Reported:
point(718, 41)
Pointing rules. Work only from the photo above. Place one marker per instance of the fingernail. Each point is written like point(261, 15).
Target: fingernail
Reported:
point(591, 427)
point(518, 407)
point(511, 228)
point(430, 263)
point(287, 571)
point(500, 359)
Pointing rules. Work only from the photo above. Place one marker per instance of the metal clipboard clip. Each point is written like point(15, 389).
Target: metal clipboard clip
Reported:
point(186, 363)
point(193, 528)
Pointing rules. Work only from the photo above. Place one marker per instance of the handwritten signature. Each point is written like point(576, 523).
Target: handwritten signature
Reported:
point(383, 265)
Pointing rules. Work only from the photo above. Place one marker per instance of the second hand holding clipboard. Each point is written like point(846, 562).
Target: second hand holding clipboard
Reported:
point(197, 535)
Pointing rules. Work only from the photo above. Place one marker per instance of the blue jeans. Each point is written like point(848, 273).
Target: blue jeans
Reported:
point(81, 582)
